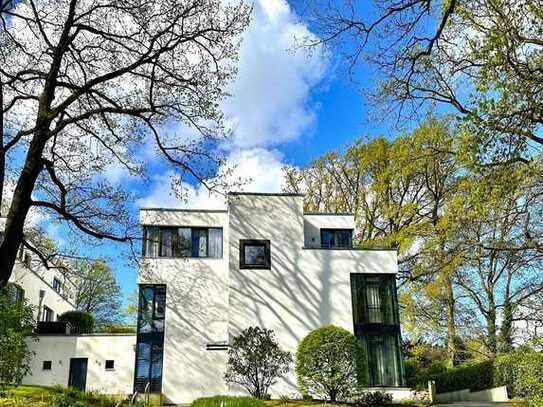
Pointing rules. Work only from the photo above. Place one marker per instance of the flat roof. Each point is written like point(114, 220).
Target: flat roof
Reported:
point(185, 210)
point(329, 213)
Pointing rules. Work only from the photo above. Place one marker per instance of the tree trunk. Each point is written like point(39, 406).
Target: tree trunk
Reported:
point(492, 340)
point(451, 325)
point(506, 331)
point(2, 153)
point(20, 205)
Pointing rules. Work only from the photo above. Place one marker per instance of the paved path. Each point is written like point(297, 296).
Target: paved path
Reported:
point(475, 404)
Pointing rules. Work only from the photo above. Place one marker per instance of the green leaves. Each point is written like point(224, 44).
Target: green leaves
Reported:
point(330, 364)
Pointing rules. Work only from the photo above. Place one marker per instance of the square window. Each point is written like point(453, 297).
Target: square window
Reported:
point(110, 364)
point(254, 254)
point(46, 365)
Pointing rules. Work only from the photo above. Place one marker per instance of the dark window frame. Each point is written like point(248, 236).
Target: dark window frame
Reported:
point(47, 311)
point(365, 330)
point(175, 230)
point(154, 339)
point(255, 242)
point(111, 364)
point(47, 365)
point(336, 231)
point(57, 285)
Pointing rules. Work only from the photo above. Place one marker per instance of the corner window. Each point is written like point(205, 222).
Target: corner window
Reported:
point(182, 242)
point(254, 254)
point(110, 364)
point(46, 365)
point(57, 285)
point(336, 238)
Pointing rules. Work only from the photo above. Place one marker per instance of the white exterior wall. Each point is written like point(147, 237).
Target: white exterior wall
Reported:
point(314, 223)
point(196, 309)
point(35, 279)
point(210, 300)
point(98, 348)
point(305, 288)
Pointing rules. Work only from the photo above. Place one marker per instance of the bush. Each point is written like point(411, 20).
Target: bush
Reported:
point(80, 321)
point(372, 399)
point(255, 361)
point(16, 328)
point(330, 364)
point(521, 372)
point(117, 329)
point(228, 401)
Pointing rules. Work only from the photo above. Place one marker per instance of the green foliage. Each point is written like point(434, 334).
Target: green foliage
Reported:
point(330, 364)
point(98, 292)
point(255, 361)
point(117, 329)
point(228, 401)
point(16, 327)
point(81, 321)
point(372, 399)
point(521, 372)
point(423, 360)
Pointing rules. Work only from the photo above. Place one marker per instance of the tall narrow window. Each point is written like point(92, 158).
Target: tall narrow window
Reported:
point(199, 242)
point(215, 242)
point(48, 314)
point(376, 324)
point(184, 242)
point(150, 338)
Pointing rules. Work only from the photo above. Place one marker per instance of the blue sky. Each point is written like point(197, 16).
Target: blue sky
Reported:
point(286, 107)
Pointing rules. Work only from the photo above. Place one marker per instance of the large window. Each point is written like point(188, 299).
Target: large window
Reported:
point(254, 254)
point(150, 338)
point(48, 314)
point(16, 293)
point(376, 324)
point(161, 241)
point(336, 238)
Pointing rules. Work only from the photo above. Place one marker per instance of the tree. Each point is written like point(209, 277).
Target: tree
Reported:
point(84, 84)
point(397, 190)
point(255, 361)
point(481, 58)
point(97, 291)
point(16, 329)
point(330, 364)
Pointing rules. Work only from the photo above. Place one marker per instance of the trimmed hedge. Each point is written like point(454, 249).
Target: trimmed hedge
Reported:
point(228, 401)
point(521, 372)
point(80, 321)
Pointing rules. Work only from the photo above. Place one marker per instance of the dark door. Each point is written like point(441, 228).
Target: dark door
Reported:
point(78, 373)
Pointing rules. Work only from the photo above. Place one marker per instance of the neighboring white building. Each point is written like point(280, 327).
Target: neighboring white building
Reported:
point(102, 362)
point(206, 275)
point(49, 291)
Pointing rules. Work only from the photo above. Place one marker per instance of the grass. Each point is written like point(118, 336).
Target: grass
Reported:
point(57, 396)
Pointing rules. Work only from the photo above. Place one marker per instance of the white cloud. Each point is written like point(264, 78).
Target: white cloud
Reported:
point(269, 102)
point(261, 169)
point(269, 106)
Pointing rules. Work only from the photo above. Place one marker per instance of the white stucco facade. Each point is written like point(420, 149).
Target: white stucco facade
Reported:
point(97, 348)
point(210, 300)
point(37, 281)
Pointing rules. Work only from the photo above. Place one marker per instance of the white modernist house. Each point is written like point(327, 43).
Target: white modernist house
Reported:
point(206, 275)
point(49, 291)
point(102, 362)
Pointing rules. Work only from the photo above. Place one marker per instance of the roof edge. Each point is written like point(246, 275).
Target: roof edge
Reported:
point(234, 193)
point(184, 210)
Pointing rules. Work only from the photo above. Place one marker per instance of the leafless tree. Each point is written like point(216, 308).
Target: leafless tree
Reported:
point(84, 84)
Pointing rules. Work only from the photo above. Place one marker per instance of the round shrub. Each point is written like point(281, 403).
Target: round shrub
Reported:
point(80, 321)
point(330, 364)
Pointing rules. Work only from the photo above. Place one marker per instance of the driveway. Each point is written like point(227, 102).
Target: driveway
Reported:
point(475, 404)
